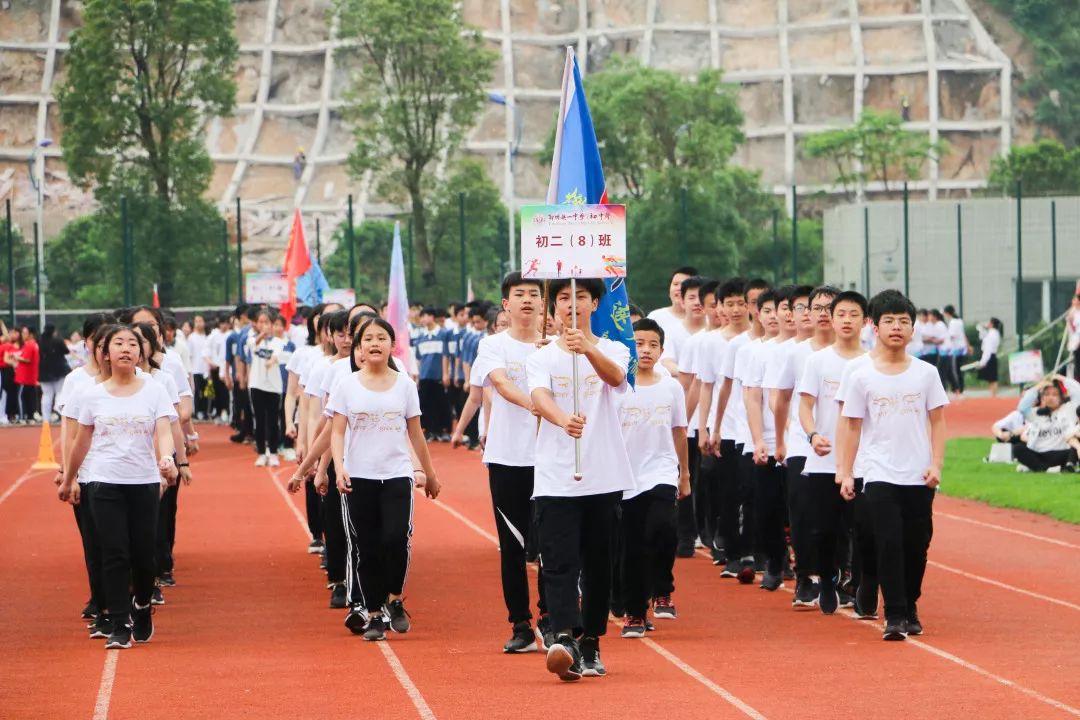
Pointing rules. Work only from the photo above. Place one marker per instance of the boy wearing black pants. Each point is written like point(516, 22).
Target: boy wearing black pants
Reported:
point(576, 513)
point(893, 422)
point(654, 430)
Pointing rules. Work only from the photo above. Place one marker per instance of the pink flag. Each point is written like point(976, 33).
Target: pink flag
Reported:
point(397, 305)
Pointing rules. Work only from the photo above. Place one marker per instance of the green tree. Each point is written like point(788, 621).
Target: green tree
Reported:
point(23, 255)
point(142, 77)
point(876, 148)
point(418, 87)
point(485, 242)
point(1043, 168)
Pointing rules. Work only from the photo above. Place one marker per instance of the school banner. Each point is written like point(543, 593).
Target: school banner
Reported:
point(582, 241)
point(266, 288)
point(1025, 367)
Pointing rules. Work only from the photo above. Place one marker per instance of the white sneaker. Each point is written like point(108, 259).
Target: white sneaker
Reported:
point(1022, 468)
point(289, 454)
point(274, 461)
point(261, 461)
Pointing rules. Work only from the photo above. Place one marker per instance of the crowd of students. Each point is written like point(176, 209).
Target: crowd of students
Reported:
point(757, 427)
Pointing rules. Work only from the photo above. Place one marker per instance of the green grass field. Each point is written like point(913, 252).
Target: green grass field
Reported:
point(967, 476)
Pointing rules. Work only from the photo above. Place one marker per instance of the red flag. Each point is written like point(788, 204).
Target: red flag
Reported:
point(157, 301)
point(297, 262)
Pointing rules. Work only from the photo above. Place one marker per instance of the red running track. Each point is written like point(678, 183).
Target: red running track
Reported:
point(247, 633)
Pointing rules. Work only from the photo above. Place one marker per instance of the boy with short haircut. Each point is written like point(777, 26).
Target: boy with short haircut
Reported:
point(828, 521)
point(674, 314)
point(576, 517)
point(769, 496)
point(893, 420)
point(430, 344)
point(654, 431)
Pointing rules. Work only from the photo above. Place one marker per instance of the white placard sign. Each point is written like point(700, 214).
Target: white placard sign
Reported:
point(268, 288)
point(562, 241)
point(1025, 367)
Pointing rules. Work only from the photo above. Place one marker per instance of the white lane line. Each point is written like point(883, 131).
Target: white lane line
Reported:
point(1014, 531)
point(648, 642)
point(923, 645)
point(18, 481)
point(1004, 586)
point(108, 675)
point(422, 708)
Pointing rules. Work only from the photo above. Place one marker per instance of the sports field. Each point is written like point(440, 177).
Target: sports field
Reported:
point(247, 632)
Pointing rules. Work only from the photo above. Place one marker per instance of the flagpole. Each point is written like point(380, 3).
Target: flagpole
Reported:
point(573, 324)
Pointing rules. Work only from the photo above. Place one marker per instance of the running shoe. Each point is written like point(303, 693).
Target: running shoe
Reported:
point(102, 627)
point(866, 600)
point(895, 630)
point(356, 620)
point(914, 626)
point(663, 609)
point(337, 597)
point(262, 460)
point(771, 581)
point(731, 569)
point(157, 598)
point(167, 579)
point(806, 595)
point(120, 637)
point(718, 556)
point(273, 460)
point(375, 629)
point(322, 561)
point(564, 659)
point(633, 627)
point(591, 665)
point(523, 640)
point(315, 546)
point(142, 623)
point(846, 599)
point(828, 598)
point(547, 634)
point(237, 438)
point(90, 611)
point(649, 627)
point(685, 550)
point(289, 455)
point(399, 616)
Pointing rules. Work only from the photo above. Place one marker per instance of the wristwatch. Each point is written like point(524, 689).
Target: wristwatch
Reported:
point(810, 437)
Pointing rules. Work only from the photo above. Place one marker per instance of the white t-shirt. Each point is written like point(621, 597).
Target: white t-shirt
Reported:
point(674, 341)
point(511, 438)
point(312, 380)
point(915, 346)
point(756, 358)
point(821, 379)
point(688, 360)
point(165, 380)
point(264, 373)
point(174, 366)
point(75, 382)
point(710, 357)
point(1050, 432)
point(648, 413)
point(301, 358)
point(605, 466)
point(214, 351)
point(197, 350)
point(74, 394)
point(782, 373)
point(376, 441)
point(123, 440)
point(940, 331)
point(666, 319)
point(867, 338)
point(957, 336)
point(180, 345)
point(298, 335)
point(895, 442)
point(733, 425)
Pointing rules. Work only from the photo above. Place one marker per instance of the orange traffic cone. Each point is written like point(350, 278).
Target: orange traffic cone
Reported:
point(45, 459)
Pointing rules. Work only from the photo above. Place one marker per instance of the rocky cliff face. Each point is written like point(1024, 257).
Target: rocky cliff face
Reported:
point(801, 65)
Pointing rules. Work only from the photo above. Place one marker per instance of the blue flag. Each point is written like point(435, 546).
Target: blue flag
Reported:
point(577, 177)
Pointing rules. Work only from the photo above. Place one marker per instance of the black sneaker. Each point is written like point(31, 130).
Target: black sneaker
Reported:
point(866, 600)
point(914, 626)
point(375, 629)
point(895, 630)
point(356, 620)
point(564, 659)
point(142, 623)
point(789, 573)
point(663, 609)
point(314, 547)
point(90, 611)
point(101, 628)
point(167, 579)
point(322, 561)
point(771, 581)
point(828, 598)
point(847, 600)
point(591, 665)
point(685, 550)
point(157, 598)
point(805, 596)
point(649, 627)
point(718, 556)
point(633, 627)
point(523, 639)
point(399, 616)
point(731, 569)
point(120, 637)
point(547, 635)
point(337, 597)
point(237, 438)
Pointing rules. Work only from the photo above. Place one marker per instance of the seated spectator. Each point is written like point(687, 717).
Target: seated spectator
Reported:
point(1050, 438)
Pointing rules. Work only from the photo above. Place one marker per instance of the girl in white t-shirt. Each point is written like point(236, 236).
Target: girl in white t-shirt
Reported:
point(123, 419)
point(376, 419)
point(264, 384)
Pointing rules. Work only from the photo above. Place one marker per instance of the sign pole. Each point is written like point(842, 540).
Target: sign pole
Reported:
point(573, 324)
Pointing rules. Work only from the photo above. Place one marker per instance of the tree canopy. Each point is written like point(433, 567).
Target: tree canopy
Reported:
point(418, 85)
point(1043, 168)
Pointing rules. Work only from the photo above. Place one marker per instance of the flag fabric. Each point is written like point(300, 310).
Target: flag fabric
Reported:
point(307, 285)
point(397, 305)
point(469, 295)
point(157, 300)
point(577, 177)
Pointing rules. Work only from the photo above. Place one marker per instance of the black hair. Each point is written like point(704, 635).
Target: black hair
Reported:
point(146, 332)
point(783, 293)
point(478, 310)
point(684, 270)
point(996, 324)
point(441, 312)
point(936, 314)
point(849, 296)
point(950, 310)
point(647, 325)
point(359, 318)
point(493, 316)
point(170, 321)
point(113, 331)
point(127, 315)
point(337, 321)
point(755, 284)
point(890, 302)
point(32, 331)
point(94, 321)
point(767, 296)
point(514, 279)
point(827, 290)
point(379, 322)
point(263, 311)
point(635, 310)
point(709, 288)
point(594, 286)
point(691, 283)
point(429, 310)
point(735, 287)
point(798, 291)
point(48, 331)
point(374, 310)
point(100, 332)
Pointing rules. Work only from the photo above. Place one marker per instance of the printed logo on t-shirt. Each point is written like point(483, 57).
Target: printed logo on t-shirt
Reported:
point(593, 386)
point(125, 425)
point(389, 421)
point(885, 406)
point(633, 417)
point(515, 371)
point(829, 388)
point(562, 386)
